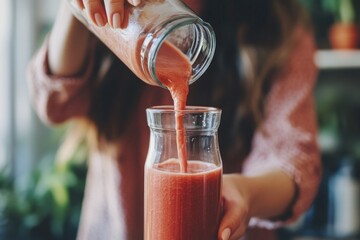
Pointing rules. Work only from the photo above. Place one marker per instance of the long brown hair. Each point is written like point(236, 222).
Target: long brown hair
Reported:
point(262, 27)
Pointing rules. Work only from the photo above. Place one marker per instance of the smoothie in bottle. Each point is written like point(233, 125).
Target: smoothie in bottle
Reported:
point(179, 204)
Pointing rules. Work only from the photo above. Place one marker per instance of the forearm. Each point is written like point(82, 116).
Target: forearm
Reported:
point(68, 44)
point(269, 195)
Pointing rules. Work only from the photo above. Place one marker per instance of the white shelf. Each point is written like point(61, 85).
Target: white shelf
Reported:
point(337, 59)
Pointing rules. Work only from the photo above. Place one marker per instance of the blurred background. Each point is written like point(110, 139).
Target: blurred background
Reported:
point(40, 196)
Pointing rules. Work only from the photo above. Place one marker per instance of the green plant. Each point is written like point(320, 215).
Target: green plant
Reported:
point(49, 204)
point(338, 112)
point(343, 11)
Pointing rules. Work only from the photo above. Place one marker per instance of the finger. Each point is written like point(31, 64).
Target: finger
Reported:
point(96, 11)
point(234, 222)
point(134, 2)
point(115, 12)
point(80, 4)
point(225, 234)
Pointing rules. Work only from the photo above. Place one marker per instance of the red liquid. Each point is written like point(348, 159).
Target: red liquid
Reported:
point(174, 70)
point(182, 201)
point(182, 206)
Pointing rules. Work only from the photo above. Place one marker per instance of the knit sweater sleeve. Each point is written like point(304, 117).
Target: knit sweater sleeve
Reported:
point(286, 139)
point(58, 98)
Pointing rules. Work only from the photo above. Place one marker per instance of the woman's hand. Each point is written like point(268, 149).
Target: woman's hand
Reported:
point(236, 208)
point(266, 195)
point(107, 11)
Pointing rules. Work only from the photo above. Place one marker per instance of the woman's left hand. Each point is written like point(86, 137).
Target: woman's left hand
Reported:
point(236, 207)
point(107, 11)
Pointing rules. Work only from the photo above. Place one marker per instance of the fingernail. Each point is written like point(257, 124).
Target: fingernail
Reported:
point(135, 2)
point(225, 235)
point(116, 20)
point(99, 20)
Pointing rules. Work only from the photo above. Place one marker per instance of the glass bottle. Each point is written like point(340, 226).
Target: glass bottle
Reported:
point(345, 198)
point(183, 205)
point(150, 27)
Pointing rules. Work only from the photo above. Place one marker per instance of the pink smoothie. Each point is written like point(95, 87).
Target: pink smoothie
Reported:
point(174, 70)
point(183, 206)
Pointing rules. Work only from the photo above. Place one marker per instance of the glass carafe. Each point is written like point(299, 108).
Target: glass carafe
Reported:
point(155, 32)
point(183, 205)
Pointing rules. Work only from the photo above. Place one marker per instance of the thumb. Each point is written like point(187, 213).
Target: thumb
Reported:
point(234, 222)
point(225, 234)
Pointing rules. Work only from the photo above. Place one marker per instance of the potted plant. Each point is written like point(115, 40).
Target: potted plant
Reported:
point(344, 33)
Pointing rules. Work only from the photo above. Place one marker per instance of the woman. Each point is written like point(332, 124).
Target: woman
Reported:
point(262, 78)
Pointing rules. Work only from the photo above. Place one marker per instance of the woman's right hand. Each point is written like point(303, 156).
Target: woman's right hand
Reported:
point(107, 11)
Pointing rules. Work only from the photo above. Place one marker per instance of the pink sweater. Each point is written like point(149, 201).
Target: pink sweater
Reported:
point(113, 203)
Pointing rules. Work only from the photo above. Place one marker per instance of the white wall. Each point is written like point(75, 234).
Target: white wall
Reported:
point(23, 139)
point(5, 36)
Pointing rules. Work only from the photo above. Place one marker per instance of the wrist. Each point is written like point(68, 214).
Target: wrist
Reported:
point(269, 194)
point(249, 190)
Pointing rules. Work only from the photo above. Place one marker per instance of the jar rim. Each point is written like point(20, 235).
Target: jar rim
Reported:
point(156, 39)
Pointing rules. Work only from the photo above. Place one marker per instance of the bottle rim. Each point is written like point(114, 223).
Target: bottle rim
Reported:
point(195, 118)
point(158, 37)
point(187, 110)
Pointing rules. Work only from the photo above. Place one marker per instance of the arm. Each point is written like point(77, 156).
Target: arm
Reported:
point(282, 172)
point(59, 74)
point(68, 44)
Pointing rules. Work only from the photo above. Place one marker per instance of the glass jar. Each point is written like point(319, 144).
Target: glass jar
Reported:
point(151, 26)
point(183, 205)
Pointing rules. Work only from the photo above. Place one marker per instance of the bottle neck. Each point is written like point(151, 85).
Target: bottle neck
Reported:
point(182, 40)
point(200, 130)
